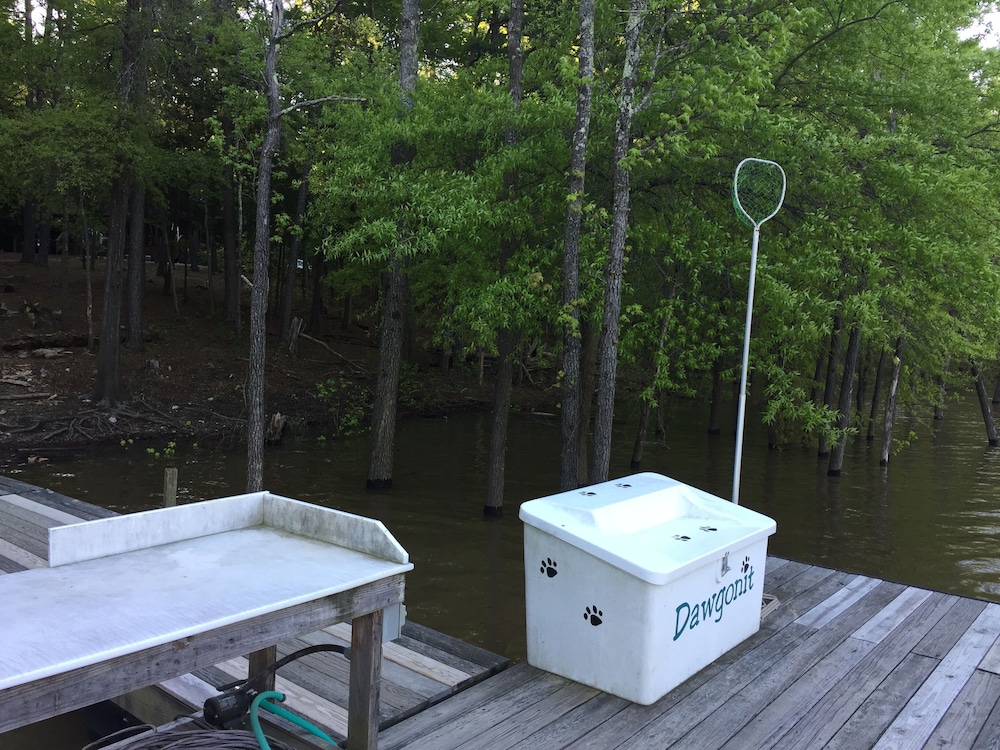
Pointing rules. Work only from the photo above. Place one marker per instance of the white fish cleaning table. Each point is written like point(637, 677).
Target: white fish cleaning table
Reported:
point(132, 600)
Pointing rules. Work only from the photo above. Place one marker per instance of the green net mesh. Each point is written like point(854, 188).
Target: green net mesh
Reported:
point(758, 190)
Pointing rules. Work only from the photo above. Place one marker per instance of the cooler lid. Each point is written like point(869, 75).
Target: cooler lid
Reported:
point(648, 525)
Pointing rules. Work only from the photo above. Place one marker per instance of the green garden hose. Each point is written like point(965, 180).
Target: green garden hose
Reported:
point(262, 701)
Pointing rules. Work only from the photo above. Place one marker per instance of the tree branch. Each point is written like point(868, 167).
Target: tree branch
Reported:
point(299, 25)
point(321, 100)
point(835, 30)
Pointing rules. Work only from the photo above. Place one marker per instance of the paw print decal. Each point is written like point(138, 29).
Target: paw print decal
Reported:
point(746, 565)
point(594, 616)
point(549, 567)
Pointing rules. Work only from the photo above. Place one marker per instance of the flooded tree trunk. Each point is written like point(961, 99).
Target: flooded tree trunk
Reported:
point(393, 328)
point(614, 268)
point(511, 241)
point(645, 409)
point(574, 395)
point(890, 403)
point(774, 434)
point(829, 391)
point(383, 430)
point(846, 402)
point(588, 375)
point(392, 334)
point(876, 395)
point(109, 389)
point(996, 391)
point(502, 388)
point(984, 405)
point(942, 385)
point(261, 258)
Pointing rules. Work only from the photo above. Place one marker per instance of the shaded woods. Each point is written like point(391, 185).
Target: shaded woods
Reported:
point(541, 187)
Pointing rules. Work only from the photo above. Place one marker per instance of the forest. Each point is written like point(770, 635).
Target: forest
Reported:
point(537, 179)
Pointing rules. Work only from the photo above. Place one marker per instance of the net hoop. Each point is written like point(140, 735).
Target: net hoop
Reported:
point(758, 190)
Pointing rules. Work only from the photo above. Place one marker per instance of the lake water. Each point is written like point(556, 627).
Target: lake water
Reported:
point(931, 519)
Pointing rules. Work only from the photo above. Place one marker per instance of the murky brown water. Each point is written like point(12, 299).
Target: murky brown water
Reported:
point(932, 519)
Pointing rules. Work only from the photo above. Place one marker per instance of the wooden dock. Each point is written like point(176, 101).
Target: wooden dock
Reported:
point(841, 661)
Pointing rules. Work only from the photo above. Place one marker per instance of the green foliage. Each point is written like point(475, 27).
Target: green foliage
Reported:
point(347, 403)
point(168, 451)
point(883, 119)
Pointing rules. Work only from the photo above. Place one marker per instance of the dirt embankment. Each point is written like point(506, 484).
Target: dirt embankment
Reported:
point(190, 378)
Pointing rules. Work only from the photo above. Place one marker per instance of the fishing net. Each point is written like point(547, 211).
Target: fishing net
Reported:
point(758, 190)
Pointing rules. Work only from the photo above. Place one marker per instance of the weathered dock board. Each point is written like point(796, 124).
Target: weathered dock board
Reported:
point(843, 661)
point(419, 669)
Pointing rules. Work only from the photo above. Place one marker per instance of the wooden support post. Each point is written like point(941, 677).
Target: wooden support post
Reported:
point(259, 661)
point(365, 681)
point(169, 487)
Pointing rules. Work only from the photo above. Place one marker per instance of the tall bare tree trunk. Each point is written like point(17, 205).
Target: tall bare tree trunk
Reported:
point(890, 403)
point(832, 364)
point(571, 422)
point(383, 430)
point(876, 394)
point(502, 388)
point(383, 433)
point(136, 26)
point(846, 402)
point(942, 385)
point(608, 351)
point(984, 405)
point(506, 339)
point(109, 389)
point(261, 258)
point(588, 377)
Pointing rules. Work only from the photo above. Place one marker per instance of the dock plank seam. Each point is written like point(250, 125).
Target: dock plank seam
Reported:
point(880, 626)
point(962, 722)
point(826, 611)
point(392, 651)
point(59, 516)
point(21, 556)
point(914, 725)
point(840, 703)
point(723, 723)
point(674, 723)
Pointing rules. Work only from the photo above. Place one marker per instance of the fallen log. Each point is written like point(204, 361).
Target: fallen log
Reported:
point(43, 341)
point(340, 356)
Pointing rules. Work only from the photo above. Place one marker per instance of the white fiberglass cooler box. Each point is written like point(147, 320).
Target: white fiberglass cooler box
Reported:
point(633, 585)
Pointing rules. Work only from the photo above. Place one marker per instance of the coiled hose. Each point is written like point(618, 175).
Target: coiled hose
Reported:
point(175, 739)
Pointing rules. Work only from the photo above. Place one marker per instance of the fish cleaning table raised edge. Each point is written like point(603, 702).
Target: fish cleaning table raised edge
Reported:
point(132, 600)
